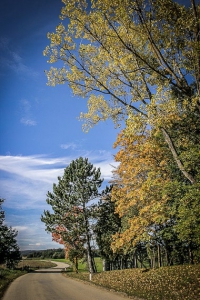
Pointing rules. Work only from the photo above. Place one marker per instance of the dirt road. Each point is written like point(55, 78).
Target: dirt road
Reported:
point(49, 284)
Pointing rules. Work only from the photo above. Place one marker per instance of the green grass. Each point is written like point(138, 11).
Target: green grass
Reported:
point(6, 277)
point(82, 265)
point(166, 283)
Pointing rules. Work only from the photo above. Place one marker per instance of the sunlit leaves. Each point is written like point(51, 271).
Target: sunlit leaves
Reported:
point(126, 50)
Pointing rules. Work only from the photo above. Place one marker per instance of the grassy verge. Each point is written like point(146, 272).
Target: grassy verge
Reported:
point(7, 276)
point(166, 283)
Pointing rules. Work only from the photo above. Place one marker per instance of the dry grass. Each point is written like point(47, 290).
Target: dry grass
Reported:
point(35, 264)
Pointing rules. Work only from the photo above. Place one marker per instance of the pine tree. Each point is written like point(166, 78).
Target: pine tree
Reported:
point(72, 202)
point(9, 250)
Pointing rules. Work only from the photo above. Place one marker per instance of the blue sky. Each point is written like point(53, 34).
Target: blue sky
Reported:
point(39, 130)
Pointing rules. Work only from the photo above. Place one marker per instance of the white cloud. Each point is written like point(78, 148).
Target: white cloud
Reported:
point(20, 228)
point(26, 112)
point(28, 178)
point(12, 60)
point(69, 146)
point(24, 183)
point(28, 122)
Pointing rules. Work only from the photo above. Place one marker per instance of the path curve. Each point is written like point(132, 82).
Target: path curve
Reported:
point(49, 284)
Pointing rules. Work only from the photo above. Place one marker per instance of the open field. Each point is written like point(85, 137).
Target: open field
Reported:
point(166, 283)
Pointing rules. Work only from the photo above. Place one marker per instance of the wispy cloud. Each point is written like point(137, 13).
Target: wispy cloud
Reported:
point(12, 60)
point(33, 176)
point(24, 183)
point(28, 122)
point(68, 146)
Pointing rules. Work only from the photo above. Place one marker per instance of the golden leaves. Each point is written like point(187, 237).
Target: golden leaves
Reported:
point(139, 182)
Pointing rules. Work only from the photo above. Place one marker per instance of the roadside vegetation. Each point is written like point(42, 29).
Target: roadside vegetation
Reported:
point(6, 277)
point(24, 266)
point(165, 283)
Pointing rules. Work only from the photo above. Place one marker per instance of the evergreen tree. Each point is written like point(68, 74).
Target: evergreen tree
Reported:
point(108, 223)
point(72, 202)
point(9, 250)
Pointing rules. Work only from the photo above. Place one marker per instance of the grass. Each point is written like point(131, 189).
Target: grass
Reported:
point(166, 283)
point(35, 264)
point(7, 276)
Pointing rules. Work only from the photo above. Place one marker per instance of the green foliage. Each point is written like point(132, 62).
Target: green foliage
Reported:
point(9, 250)
point(107, 224)
point(72, 202)
point(49, 253)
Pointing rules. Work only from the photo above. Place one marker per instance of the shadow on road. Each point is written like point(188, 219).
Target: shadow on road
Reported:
point(49, 271)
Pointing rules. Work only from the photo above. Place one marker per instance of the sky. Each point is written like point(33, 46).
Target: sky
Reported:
point(39, 130)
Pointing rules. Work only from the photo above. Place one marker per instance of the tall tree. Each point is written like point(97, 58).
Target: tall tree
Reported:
point(72, 202)
point(136, 58)
point(107, 224)
point(152, 196)
point(9, 249)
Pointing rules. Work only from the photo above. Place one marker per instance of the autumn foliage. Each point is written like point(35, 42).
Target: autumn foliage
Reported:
point(137, 62)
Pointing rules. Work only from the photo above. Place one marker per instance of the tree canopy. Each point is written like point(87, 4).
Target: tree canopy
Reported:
point(152, 195)
point(130, 58)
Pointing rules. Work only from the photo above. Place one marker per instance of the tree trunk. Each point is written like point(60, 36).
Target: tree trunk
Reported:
point(135, 260)
point(175, 156)
point(75, 265)
point(191, 255)
point(159, 257)
point(91, 265)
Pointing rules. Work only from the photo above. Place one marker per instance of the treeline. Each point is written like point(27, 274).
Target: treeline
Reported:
point(42, 254)
point(78, 221)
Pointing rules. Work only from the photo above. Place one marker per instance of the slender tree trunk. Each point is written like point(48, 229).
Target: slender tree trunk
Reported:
point(154, 259)
point(91, 266)
point(191, 255)
point(167, 256)
point(159, 256)
point(135, 259)
point(76, 264)
point(175, 156)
